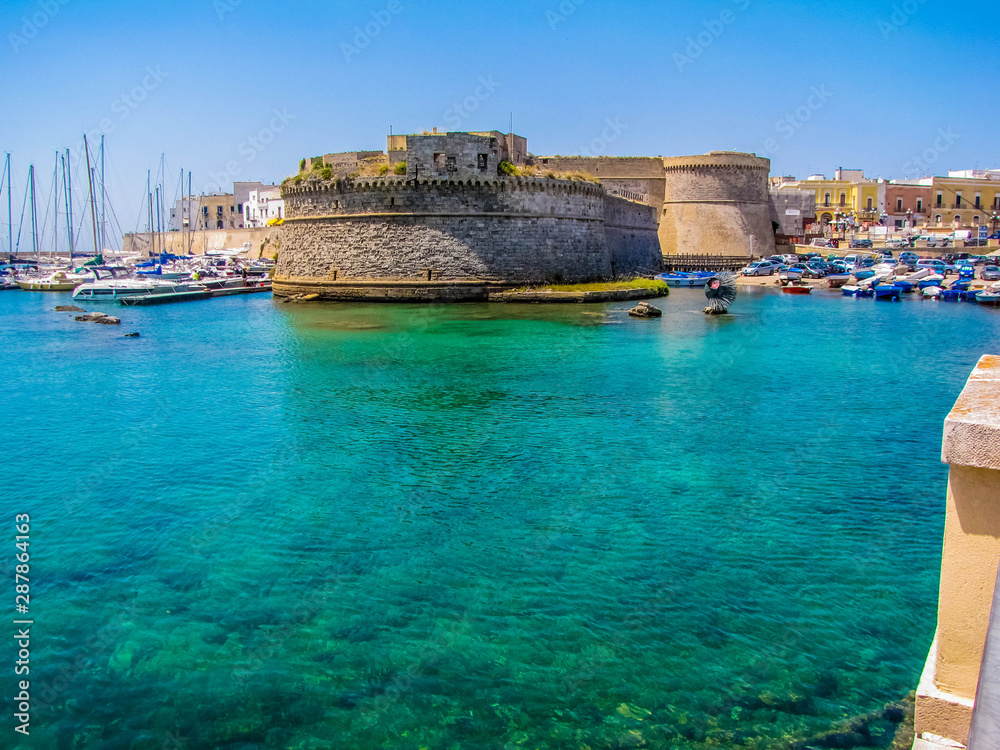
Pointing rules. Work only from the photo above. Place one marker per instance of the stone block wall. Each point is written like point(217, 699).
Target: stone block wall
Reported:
point(343, 236)
point(715, 203)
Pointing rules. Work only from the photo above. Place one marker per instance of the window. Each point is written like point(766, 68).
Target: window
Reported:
point(940, 199)
point(870, 204)
point(920, 205)
point(996, 201)
point(483, 162)
point(899, 205)
point(843, 199)
point(826, 201)
point(975, 220)
point(204, 210)
point(958, 219)
point(938, 218)
point(439, 161)
point(958, 200)
point(979, 200)
point(452, 164)
point(241, 207)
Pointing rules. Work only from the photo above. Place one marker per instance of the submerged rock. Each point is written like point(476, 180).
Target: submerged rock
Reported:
point(70, 308)
point(645, 310)
point(100, 318)
point(131, 335)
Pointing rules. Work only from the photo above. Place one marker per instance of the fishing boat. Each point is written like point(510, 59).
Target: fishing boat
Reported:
point(930, 281)
point(838, 280)
point(885, 291)
point(905, 287)
point(796, 288)
point(932, 292)
point(681, 279)
point(858, 291)
point(988, 297)
point(60, 281)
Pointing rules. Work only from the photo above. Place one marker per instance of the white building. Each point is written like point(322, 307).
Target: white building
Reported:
point(262, 206)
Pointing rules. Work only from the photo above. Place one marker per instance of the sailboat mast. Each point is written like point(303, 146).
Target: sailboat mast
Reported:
point(55, 208)
point(69, 211)
point(190, 217)
point(69, 201)
point(104, 239)
point(34, 211)
point(93, 205)
point(10, 216)
point(149, 216)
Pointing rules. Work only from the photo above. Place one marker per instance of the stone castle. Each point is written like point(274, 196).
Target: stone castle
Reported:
point(714, 204)
point(445, 219)
point(454, 216)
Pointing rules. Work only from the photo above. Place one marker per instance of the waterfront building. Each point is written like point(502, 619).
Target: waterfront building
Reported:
point(263, 206)
point(848, 200)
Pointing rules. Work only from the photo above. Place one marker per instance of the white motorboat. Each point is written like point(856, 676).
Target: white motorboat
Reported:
point(111, 290)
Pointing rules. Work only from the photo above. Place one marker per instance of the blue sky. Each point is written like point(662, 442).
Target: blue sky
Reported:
point(245, 88)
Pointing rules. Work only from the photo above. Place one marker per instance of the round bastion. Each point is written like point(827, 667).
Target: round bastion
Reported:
point(400, 239)
point(715, 203)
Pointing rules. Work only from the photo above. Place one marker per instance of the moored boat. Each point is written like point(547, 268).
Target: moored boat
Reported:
point(795, 288)
point(61, 281)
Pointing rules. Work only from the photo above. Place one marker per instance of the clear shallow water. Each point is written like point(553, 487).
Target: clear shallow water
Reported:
point(478, 526)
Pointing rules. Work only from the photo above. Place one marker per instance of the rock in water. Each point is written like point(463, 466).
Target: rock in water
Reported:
point(90, 317)
point(131, 335)
point(645, 310)
point(70, 308)
point(109, 320)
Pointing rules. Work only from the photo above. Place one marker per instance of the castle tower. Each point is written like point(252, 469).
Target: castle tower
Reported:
point(713, 204)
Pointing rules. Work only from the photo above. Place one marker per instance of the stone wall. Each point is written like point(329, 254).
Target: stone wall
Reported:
point(630, 231)
point(200, 242)
point(715, 203)
point(398, 239)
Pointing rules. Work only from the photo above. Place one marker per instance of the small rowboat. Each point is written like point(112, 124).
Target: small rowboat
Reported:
point(794, 288)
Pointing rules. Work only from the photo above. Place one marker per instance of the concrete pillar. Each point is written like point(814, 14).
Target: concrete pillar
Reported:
point(970, 557)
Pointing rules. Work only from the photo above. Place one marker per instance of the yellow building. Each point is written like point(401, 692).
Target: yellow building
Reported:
point(849, 196)
point(965, 200)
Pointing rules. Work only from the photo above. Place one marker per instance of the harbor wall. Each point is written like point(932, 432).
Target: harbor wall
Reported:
point(263, 241)
point(398, 239)
point(951, 678)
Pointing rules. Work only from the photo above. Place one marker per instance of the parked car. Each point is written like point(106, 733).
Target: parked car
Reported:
point(967, 271)
point(955, 258)
point(760, 268)
point(995, 236)
point(976, 243)
point(939, 241)
point(990, 273)
point(862, 244)
point(909, 258)
point(815, 270)
point(820, 242)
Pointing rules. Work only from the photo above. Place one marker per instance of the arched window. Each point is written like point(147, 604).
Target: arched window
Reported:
point(826, 200)
point(958, 219)
point(843, 199)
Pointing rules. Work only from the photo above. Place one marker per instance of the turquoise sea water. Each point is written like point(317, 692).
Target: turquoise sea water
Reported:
point(477, 526)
